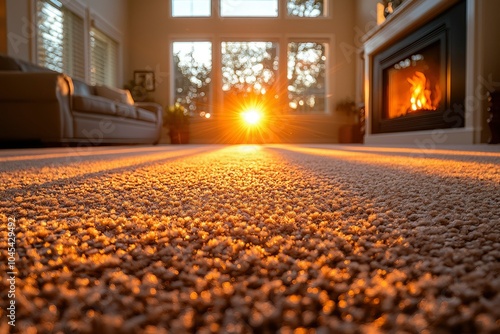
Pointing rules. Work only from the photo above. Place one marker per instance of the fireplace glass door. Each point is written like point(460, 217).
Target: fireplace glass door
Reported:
point(414, 84)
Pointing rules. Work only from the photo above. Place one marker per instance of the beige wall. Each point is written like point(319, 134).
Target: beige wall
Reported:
point(365, 18)
point(19, 30)
point(490, 28)
point(489, 32)
point(3, 27)
point(114, 11)
point(151, 32)
point(365, 15)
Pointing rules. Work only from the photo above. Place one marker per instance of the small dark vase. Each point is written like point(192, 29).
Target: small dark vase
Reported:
point(179, 136)
point(390, 6)
point(388, 9)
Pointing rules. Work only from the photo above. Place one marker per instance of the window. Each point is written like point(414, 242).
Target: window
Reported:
point(249, 75)
point(306, 8)
point(187, 8)
point(248, 8)
point(267, 61)
point(60, 39)
point(103, 59)
point(307, 76)
point(192, 76)
point(249, 66)
point(256, 8)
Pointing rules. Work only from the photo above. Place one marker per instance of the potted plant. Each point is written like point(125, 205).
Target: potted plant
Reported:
point(347, 106)
point(351, 132)
point(176, 119)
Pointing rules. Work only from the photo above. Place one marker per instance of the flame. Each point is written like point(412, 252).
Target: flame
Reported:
point(420, 94)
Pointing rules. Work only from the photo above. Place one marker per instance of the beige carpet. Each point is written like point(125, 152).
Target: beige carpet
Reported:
point(242, 239)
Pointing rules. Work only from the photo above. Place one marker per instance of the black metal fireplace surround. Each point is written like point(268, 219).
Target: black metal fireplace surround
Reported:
point(436, 51)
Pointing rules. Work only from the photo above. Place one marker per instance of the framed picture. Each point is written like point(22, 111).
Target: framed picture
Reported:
point(145, 79)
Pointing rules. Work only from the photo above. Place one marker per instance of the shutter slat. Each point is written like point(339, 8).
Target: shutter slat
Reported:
point(60, 38)
point(104, 58)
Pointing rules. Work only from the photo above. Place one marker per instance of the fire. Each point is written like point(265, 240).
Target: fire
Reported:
point(421, 94)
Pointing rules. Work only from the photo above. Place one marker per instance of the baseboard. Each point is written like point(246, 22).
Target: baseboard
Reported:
point(427, 139)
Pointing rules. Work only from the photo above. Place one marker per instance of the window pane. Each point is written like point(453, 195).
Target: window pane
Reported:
point(249, 8)
point(249, 81)
point(249, 66)
point(306, 8)
point(74, 54)
point(306, 76)
point(60, 36)
point(50, 32)
point(103, 59)
point(188, 8)
point(192, 76)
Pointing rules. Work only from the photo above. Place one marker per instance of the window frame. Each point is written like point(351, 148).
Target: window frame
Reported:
point(171, 12)
point(247, 39)
point(172, 93)
point(76, 8)
point(98, 22)
point(224, 30)
point(216, 12)
point(110, 75)
point(216, 89)
point(90, 18)
point(329, 89)
point(327, 12)
point(279, 11)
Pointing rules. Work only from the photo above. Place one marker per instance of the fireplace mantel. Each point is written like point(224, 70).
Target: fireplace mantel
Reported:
point(408, 17)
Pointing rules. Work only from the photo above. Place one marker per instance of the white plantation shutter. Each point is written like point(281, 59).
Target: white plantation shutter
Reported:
point(74, 37)
point(60, 39)
point(103, 59)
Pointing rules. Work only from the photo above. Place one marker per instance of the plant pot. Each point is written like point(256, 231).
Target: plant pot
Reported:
point(179, 136)
point(349, 134)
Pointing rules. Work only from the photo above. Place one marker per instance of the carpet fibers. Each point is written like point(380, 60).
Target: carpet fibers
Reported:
point(250, 239)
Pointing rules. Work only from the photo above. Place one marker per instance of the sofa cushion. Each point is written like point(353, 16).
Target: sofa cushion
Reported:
point(94, 104)
point(82, 88)
point(151, 106)
point(126, 110)
point(8, 64)
point(115, 94)
point(146, 115)
point(30, 67)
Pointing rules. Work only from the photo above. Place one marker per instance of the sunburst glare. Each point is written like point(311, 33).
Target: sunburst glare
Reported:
point(252, 117)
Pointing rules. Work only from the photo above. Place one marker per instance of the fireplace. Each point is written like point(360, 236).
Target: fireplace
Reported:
point(419, 80)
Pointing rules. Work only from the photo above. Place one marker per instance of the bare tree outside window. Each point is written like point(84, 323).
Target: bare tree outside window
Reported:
point(307, 76)
point(249, 75)
point(249, 66)
point(192, 75)
point(306, 8)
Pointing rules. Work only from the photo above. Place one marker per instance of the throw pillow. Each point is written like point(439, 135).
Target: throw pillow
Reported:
point(115, 94)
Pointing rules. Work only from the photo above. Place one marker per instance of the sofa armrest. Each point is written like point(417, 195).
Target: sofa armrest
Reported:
point(151, 106)
point(34, 86)
point(154, 107)
point(158, 110)
point(36, 103)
